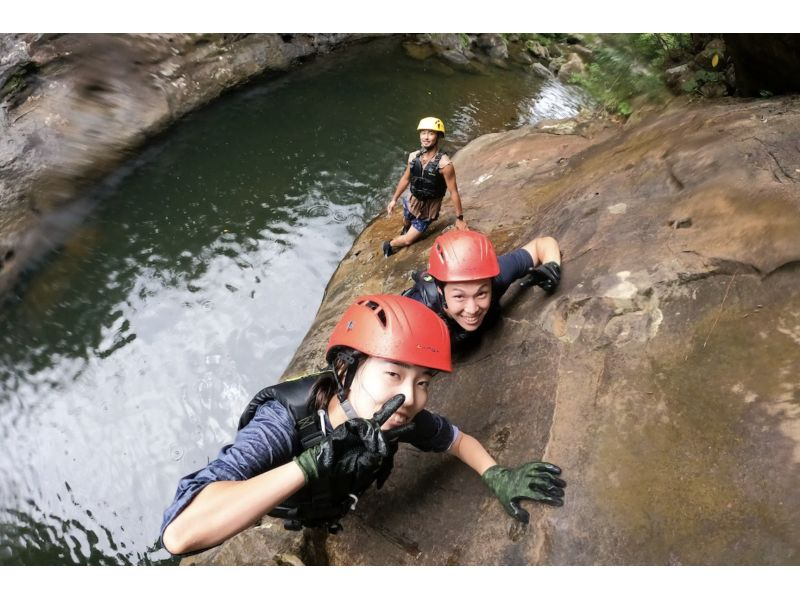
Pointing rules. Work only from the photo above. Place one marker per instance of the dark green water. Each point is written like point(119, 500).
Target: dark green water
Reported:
point(127, 357)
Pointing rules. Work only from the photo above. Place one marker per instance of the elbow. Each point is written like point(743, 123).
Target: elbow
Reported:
point(175, 542)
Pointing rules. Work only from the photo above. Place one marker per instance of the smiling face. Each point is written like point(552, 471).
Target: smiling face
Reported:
point(468, 302)
point(378, 380)
point(428, 138)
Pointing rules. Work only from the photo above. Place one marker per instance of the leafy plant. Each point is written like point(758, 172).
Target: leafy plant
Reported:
point(628, 66)
point(701, 77)
point(17, 82)
point(660, 48)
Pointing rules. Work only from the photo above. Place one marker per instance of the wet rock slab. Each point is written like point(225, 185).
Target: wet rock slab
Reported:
point(664, 374)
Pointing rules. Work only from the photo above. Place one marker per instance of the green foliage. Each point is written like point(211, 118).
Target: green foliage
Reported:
point(12, 85)
point(659, 48)
point(709, 77)
point(628, 66)
point(465, 40)
point(701, 77)
point(690, 86)
point(18, 80)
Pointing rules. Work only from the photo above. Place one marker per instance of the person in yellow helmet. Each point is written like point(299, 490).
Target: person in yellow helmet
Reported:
point(430, 174)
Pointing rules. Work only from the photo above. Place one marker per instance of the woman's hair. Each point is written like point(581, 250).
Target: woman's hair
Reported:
point(325, 388)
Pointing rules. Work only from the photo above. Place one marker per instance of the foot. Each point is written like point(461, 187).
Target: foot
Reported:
point(387, 249)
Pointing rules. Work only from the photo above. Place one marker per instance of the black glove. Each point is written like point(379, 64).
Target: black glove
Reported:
point(355, 450)
point(547, 276)
point(373, 458)
point(535, 480)
point(358, 468)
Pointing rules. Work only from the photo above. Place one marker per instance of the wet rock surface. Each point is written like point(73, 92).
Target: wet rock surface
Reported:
point(664, 374)
point(73, 106)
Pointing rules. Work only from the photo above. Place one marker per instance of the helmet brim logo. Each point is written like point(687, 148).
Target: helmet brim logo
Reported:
point(428, 348)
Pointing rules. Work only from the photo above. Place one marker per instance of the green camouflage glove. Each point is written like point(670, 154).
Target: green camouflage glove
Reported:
point(535, 480)
point(309, 459)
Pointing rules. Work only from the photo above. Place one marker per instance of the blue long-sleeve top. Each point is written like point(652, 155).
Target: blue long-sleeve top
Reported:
point(270, 439)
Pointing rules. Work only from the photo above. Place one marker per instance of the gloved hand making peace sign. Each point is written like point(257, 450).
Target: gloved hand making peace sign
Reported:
point(373, 457)
point(534, 480)
point(357, 452)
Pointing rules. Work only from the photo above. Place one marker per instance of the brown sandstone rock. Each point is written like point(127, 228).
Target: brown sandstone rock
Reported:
point(573, 66)
point(663, 374)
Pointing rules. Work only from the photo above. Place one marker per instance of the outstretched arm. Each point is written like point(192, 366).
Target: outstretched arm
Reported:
point(472, 453)
point(534, 480)
point(401, 186)
point(449, 174)
point(223, 509)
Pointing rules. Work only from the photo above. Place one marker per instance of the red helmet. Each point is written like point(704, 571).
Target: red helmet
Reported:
point(463, 255)
point(396, 328)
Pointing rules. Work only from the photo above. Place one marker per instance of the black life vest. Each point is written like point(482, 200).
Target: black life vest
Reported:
point(425, 291)
point(315, 505)
point(427, 183)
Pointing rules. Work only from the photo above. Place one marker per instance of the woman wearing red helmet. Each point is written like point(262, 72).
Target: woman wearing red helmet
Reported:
point(465, 279)
point(307, 448)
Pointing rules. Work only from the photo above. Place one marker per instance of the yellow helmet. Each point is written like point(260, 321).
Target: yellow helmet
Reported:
point(432, 124)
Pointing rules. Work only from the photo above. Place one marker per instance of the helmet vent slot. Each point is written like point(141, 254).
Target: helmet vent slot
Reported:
point(378, 311)
point(440, 252)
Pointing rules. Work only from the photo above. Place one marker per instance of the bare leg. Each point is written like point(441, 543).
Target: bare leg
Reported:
point(543, 250)
point(411, 236)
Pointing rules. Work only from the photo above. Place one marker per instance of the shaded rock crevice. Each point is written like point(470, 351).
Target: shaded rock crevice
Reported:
point(771, 151)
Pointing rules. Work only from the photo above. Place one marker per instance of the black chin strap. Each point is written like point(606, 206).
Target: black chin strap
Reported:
point(440, 287)
point(341, 389)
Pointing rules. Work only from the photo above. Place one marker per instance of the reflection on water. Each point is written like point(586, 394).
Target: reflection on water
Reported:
point(554, 101)
point(129, 354)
